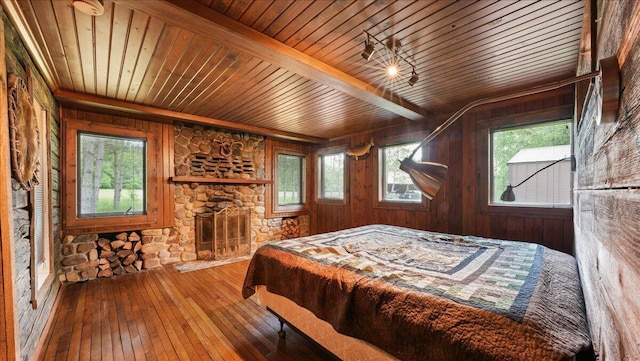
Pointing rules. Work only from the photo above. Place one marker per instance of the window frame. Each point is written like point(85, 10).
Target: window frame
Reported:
point(492, 196)
point(40, 286)
point(301, 186)
point(424, 204)
point(154, 172)
point(345, 173)
point(79, 175)
point(273, 208)
point(484, 158)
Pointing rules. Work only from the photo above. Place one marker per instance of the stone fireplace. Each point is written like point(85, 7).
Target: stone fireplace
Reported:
point(219, 168)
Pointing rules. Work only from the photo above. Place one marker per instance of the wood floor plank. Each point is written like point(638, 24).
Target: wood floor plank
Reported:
point(223, 320)
point(198, 337)
point(170, 324)
point(103, 334)
point(153, 325)
point(74, 331)
point(167, 315)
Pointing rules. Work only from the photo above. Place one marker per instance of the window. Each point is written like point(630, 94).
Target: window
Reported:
point(331, 176)
point(287, 194)
point(535, 160)
point(290, 180)
point(395, 184)
point(41, 268)
point(111, 175)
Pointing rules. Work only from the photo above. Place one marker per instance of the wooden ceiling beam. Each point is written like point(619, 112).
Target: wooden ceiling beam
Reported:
point(199, 19)
point(94, 102)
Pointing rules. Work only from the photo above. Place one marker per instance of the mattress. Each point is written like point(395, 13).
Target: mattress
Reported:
point(424, 295)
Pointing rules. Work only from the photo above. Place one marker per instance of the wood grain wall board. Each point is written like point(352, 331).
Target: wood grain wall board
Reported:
point(457, 147)
point(606, 211)
point(9, 337)
point(604, 164)
point(607, 246)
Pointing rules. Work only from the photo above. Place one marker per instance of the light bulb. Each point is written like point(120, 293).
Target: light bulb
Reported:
point(392, 70)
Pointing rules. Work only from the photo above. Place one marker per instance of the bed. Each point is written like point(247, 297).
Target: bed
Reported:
point(417, 295)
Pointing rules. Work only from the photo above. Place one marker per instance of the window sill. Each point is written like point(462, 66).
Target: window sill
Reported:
point(522, 210)
point(422, 206)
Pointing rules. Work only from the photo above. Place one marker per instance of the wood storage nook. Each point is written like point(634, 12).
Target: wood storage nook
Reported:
point(223, 234)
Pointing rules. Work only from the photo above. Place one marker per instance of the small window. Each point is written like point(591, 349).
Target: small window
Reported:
point(395, 184)
point(331, 176)
point(114, 177)
point(111, 176)
point(290, 187)
point(535, 160)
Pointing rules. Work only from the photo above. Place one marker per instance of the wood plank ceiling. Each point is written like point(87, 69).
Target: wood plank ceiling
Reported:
point(296, 66)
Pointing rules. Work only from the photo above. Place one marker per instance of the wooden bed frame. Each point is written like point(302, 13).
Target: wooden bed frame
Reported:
point(304, 321)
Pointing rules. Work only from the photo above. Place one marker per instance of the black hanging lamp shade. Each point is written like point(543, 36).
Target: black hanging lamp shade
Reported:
point(508, 195)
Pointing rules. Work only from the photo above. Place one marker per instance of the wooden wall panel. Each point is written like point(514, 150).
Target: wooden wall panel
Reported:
point(607, 211)
point(362, 208)
point(9, 344)
point(457, 208)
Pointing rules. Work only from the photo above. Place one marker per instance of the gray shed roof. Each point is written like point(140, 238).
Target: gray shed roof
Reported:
point(542, 154)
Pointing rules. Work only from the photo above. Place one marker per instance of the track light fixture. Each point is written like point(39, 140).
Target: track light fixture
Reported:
point(414, 77)
point(369, 49)
point(393, 59)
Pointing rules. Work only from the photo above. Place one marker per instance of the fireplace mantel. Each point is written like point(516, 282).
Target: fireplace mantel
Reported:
point(194, 179)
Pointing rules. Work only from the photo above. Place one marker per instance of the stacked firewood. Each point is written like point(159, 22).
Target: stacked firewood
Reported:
point(119, 256)
point(289, 228)
point(203, 165)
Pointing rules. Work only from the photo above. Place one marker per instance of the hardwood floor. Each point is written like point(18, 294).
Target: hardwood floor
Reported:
point(167, 315)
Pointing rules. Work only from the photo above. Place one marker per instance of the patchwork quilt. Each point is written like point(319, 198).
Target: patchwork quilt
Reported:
point(422, 295)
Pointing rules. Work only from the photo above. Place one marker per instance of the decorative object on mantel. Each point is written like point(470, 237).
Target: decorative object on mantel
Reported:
point(24, 133)
point(428, 176)
point(226, 146)
point(360, 149)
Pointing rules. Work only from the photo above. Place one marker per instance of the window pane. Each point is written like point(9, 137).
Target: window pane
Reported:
point(331, 171)
point(111, 176)
point(518, 153)
point(396, 185)
point(290, 176)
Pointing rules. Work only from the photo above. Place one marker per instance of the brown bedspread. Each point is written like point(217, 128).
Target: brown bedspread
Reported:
point(448, 312)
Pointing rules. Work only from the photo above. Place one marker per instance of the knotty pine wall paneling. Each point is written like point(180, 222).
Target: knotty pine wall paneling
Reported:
point(460, 205)
point(361, 208)
point(550, 227)
point(607, 206)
